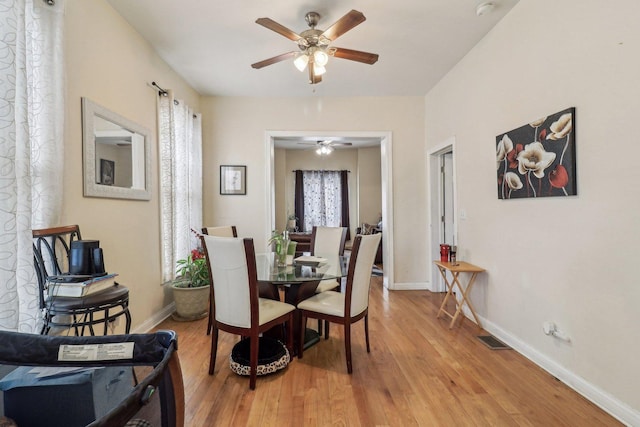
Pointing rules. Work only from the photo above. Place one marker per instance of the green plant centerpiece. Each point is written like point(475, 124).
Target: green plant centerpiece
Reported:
point(283, 247)
point(280, 245)
point(191, 287)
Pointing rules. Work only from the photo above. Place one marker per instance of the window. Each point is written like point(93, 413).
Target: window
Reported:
point(322, 199)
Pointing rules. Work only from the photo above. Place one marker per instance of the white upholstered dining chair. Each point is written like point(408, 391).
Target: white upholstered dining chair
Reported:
point(352, 305)
point(327, 242)
point(220, 231)
point(236, 306)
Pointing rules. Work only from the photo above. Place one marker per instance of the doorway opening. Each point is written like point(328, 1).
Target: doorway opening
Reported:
point(386, 184)
point(442, 205)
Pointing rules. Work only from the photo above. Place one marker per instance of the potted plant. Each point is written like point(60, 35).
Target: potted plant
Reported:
point(280, 245)
point(191, 287)
point(291, 223)
point(283, 247)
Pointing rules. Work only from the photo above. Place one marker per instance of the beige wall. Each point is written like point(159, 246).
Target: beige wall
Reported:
point(234, 133)
point(109, 63)
point(567, 260)
point(369, 190)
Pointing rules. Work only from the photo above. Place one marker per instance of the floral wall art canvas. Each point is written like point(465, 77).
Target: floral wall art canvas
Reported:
point(538, 159)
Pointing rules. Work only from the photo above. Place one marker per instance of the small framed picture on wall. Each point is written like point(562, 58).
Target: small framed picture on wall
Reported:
point(233, 180)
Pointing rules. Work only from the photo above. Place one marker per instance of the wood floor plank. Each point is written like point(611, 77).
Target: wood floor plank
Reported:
point(419, 373)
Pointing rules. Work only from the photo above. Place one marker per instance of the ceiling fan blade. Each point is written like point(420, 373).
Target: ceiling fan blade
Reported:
point(278, 28)
point(355, 55)
point(341, 144)
point(344, 24)
point(313, 78)
point(273, 60)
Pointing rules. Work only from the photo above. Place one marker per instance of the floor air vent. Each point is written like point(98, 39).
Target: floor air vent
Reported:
point(493, 343)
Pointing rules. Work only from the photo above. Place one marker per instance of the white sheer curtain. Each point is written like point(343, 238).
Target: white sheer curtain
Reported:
point(322, 199)
point(180, 134)
point(31, 148)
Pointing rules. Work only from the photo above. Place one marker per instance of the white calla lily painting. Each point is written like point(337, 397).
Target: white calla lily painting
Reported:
point(539, 158)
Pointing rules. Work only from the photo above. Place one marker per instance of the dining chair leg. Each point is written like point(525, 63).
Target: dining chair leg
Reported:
point(303, 321)
point(290, 333)
point(366, 331)
point(210, 321)
point(347, 344)
point(214, 349)
point(253, 360)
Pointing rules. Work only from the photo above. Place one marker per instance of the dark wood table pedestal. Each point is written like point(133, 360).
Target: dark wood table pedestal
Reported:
point(299, 282)
point(293, 294)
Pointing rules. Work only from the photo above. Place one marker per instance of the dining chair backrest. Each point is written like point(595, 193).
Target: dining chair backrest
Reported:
point(232, 262)
point(328, 241)
point(221, 231)
point(359, 276)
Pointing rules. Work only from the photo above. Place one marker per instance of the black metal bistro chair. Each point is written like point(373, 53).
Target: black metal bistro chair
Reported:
point(51, 247)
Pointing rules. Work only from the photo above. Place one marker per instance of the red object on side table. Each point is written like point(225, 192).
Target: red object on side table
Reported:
point(444, 252)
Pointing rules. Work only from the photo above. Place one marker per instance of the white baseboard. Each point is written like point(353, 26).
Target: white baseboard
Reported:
point(155, 320)
point(617, 409)
point(409, 286)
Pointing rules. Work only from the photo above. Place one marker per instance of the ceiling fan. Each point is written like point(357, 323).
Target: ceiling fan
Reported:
point(325, 147)
point(315, 46)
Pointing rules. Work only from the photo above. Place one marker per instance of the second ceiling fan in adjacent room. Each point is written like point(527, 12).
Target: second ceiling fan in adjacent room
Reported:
point(324, 148)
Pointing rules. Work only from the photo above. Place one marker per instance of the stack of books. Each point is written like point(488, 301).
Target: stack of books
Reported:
point(68, 285)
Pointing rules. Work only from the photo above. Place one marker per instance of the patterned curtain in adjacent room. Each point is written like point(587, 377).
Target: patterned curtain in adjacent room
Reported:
point(31, 148)
point(323, 199)
point(180, 139)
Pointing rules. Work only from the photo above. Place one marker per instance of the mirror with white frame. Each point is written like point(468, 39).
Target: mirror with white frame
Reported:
point(116, 155)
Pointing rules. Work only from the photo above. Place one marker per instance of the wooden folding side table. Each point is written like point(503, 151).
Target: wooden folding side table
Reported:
point(459, 267)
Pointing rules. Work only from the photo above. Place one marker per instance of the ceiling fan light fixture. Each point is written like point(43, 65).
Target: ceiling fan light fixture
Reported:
point(315, 45)
point(318, 70)
point(320, 58)
point(325, 150)
point(301, 61)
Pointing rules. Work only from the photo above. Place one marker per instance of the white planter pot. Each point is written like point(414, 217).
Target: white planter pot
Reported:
point(191, 303)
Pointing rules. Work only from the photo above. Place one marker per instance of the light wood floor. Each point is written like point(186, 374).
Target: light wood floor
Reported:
point(419, 373)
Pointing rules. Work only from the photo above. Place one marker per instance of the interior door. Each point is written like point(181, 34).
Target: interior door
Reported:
point(442, 205)
point(447, 216)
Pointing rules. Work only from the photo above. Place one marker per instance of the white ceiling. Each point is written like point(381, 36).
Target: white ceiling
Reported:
point(212, 44)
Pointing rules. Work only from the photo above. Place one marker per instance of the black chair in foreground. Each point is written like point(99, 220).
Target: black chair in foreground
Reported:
point(51, 249)
point(94, 391)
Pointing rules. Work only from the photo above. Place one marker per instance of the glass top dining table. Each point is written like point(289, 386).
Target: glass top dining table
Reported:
point(296, 274)
point(299, 282)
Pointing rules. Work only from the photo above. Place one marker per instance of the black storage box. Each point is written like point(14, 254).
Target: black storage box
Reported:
point(64, 400)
